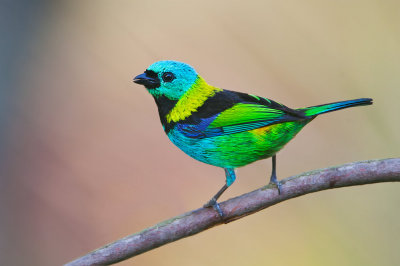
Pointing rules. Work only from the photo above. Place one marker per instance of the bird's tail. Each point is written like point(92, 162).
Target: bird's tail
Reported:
point(329, 107)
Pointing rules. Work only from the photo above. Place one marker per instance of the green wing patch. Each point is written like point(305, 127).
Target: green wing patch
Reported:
point(243, 113)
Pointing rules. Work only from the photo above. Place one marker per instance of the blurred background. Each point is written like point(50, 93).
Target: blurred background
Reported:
point(84, 160)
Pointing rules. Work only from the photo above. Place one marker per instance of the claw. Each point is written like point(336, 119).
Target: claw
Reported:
point(278, 185)
point(213, 203)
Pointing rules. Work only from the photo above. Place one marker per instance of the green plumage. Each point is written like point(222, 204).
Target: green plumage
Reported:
point(224, 128)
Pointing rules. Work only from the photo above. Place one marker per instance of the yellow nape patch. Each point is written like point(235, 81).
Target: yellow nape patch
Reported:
point(191, 100)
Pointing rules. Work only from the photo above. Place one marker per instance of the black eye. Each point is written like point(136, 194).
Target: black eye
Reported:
point(168, 77)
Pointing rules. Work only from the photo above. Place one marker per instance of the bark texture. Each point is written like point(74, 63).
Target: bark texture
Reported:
point(193, 222)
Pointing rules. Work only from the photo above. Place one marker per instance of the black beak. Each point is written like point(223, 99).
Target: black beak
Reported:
point(149, 81)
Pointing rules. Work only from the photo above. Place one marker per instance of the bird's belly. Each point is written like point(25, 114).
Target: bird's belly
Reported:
point(236, 150)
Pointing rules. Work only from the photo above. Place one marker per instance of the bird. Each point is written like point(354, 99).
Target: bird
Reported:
point(225, 128)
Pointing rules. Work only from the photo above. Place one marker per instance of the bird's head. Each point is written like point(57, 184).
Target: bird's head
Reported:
point(171, 79)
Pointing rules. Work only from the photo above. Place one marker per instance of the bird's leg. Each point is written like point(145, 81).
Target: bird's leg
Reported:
point(213, 201)
point(230, 178)
point(273, 175)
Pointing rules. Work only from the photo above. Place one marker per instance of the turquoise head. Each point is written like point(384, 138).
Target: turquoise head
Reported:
point(170, 79)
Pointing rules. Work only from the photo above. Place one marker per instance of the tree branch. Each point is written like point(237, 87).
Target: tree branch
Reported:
point(358, 173)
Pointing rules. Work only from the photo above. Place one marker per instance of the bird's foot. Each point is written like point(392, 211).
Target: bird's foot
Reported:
point(278, 185)
point(213, 203)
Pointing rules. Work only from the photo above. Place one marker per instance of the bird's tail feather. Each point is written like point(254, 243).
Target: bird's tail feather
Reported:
point(329, 107)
